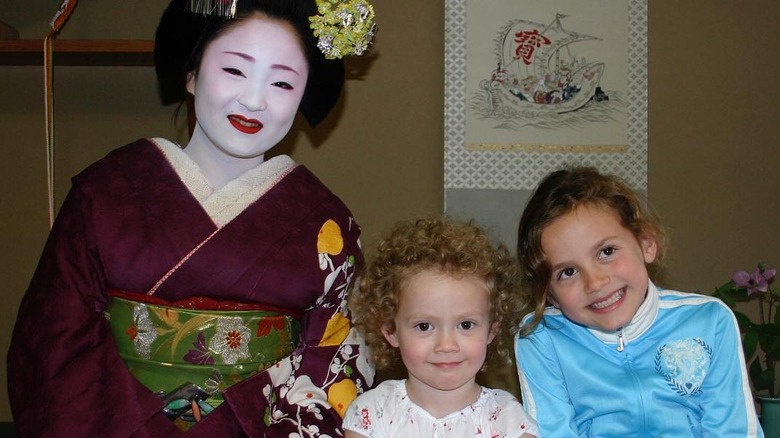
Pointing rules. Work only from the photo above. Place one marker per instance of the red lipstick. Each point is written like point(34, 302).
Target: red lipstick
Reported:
point(247, 126)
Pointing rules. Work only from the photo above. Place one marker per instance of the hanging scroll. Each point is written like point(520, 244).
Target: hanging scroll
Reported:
point(533, 85)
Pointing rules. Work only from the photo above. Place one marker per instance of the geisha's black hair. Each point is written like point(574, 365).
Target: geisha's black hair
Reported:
point(182, 37)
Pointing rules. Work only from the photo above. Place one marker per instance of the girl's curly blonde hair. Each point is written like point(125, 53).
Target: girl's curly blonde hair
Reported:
point(455, 248)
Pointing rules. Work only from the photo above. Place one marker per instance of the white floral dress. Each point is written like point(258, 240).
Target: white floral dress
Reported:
point(387, 411)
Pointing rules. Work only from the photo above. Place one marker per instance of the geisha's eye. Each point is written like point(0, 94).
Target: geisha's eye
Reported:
point(233, 71)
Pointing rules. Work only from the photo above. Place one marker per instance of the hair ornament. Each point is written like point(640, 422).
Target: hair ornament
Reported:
point(220, 8)
point(343, 27)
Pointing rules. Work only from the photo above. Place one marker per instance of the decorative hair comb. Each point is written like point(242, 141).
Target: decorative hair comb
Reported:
point(220, 8)
point(343, 27)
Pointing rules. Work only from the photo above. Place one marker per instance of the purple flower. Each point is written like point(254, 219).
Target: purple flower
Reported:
point(756, 282)
point(200, 355)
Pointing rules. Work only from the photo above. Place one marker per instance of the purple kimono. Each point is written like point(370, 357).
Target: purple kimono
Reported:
point(128, 220)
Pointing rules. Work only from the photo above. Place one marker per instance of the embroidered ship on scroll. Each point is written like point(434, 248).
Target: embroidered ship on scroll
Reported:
point(538, 71)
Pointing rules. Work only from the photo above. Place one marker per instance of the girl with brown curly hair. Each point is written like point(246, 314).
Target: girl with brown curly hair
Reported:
point(606, 352)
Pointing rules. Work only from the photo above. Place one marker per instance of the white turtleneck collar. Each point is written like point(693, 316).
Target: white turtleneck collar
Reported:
point(642, 320)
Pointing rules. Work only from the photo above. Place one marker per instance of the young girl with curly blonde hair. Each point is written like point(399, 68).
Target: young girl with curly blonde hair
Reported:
point(435, 298)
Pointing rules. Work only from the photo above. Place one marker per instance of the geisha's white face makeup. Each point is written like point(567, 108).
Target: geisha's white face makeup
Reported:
point(247, 91)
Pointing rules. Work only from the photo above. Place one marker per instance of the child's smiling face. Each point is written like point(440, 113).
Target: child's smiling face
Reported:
point(442, 329)
point(599, 275)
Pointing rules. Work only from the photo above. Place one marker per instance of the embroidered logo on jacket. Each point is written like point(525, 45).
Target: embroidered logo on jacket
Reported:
point(684, 364)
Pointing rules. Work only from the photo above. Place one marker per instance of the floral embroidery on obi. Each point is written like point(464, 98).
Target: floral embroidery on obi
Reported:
point(231, 340)
point(142, 332)
point(684, 364)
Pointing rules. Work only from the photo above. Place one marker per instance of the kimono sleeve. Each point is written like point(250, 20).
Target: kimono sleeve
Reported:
point(64, 371)
point(308, 392)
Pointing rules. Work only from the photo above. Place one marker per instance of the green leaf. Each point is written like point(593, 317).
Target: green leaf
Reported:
point(743, 321)
point(759, 377)
point(725, 297)
point(755, 368)
point(771, 347)
point(750, 343)
point(765, 380)
point(730, 293)
point(769, 339)
point(772, 329)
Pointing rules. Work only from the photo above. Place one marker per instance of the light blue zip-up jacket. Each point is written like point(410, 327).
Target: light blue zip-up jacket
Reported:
point(677, 370)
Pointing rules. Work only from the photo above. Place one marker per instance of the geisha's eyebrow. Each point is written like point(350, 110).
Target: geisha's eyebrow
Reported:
point(242, 55)
point(252, 59)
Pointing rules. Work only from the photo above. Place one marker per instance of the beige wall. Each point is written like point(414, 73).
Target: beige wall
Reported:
point(713, 145)
point(714, 142)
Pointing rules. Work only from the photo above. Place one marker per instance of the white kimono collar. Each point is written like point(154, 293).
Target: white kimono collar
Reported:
point(224, 204)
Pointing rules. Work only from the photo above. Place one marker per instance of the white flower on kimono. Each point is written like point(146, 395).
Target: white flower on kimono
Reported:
point(305, 393)
point(280, 371)
point(349, 355)
point(295, 360)
point(314, 409)
point(277, 415)
point(344, 269)
point(142, 332)
point(364, 367)
point(335, 364)
point(231, 340)
point(313, 430)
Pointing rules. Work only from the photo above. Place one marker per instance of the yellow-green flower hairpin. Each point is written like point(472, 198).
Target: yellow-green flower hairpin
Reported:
point(343, 27)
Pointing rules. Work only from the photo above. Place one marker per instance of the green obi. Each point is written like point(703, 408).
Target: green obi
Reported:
point(190, 356)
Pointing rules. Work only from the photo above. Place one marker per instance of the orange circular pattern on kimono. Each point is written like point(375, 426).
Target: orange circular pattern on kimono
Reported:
point(336, 331)
point(329, 239)
point(341, 394)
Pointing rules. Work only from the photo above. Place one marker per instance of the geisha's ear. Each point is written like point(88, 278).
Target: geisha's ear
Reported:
point(389, 334)
point(190, 85)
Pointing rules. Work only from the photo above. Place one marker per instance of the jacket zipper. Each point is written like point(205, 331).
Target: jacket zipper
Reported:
point(621, 346)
